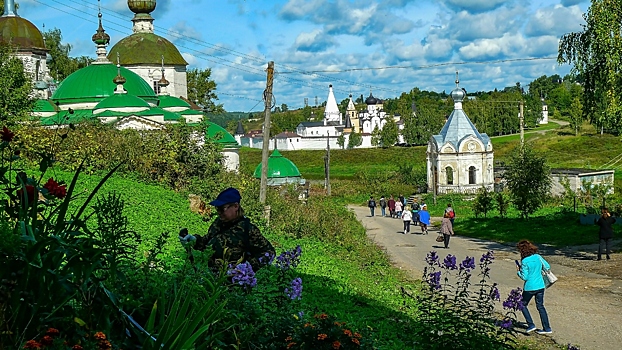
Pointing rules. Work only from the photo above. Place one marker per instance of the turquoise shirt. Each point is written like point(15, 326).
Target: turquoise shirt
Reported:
point(531, 272)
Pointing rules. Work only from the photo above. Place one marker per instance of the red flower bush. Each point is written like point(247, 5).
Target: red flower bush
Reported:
point(6, 134)
point(30, 194)
point(55, 189)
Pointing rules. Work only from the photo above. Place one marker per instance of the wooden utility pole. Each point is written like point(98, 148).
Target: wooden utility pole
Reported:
point(327, 164)
point(521, 119)
point(266, 134)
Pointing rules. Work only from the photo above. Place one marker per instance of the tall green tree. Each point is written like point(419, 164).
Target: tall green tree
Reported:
point(576, 115)
point(376, 137)
point(595, 54)
point(389, 133)
point(61, 65)
point(341, 140)
point(15, 88)
point(355, 140)
point(202, 88)
point(529, 180)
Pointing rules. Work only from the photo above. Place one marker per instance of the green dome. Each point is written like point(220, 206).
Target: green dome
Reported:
point(170, 101)
point(146, 48)
point(120, 101)
point(45, 106)
point(94, 83)
point(20, 32)
point(278, 166)
point(220, 135)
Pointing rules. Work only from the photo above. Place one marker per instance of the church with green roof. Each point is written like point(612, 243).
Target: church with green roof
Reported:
point(112, 93)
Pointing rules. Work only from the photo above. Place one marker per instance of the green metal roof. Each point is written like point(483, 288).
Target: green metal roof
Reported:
point(146, 48)
point(20, 32)
point(122, 100)
point(167, 101)
point(64, 117)
point(278, 166)
point(220, 135)
point(45, 106)
point(94, 83)
point(168, 116)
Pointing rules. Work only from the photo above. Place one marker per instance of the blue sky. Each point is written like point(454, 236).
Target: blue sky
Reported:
point(315, 43)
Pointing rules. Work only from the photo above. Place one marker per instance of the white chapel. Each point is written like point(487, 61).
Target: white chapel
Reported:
point(459, 159)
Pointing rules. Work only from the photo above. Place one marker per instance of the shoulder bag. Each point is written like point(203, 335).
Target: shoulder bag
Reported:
point(548, 276)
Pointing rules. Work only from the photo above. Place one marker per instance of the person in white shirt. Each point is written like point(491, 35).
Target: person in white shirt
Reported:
point(406, 217)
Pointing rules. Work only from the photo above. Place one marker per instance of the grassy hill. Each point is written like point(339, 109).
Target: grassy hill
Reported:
point(562, 149)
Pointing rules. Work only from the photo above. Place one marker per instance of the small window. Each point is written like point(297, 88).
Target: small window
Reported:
point(450, 175)
point(471, 175)
point(156, 87)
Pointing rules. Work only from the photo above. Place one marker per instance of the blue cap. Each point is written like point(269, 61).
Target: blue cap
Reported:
point(230, 195)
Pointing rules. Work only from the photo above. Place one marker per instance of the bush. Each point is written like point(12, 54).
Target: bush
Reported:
point(483, 202)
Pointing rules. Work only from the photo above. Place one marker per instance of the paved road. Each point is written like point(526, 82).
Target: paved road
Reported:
point(580, 311)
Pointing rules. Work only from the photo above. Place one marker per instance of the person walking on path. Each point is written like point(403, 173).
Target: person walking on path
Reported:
point(451, 213)
point(406, 217)
point(372, 205)
point(447, 229)
point(530, 271)
point(398, 209)
point(424, 219)
point(402, 199)
point(383, 206)
point(605, 233)
point(391, 204)
point(415, 209)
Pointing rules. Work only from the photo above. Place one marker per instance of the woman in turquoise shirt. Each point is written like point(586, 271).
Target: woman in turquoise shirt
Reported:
point(530, 271)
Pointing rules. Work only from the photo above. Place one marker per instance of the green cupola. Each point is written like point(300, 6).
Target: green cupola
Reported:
point(280, 170)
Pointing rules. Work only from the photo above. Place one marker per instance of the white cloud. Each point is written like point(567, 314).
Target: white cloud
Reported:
point(313, 41)
point(474, 6)
point(555, 20)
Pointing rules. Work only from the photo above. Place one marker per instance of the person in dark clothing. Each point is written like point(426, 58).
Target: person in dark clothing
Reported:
point(402, 199)
point(391, 204)
point(605, 233)
point(372, 205)
point(232, 236)
point(383, 206)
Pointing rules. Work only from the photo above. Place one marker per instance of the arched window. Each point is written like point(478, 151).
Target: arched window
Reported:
point(450, 175)
point(471, 175)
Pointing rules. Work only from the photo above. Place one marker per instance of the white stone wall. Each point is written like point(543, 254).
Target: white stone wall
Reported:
point(176, 76)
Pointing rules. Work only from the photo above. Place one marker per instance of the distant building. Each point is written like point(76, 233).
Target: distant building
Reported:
point(281, 171)
point(316, 134)
point(459, 159)
point(579, 178)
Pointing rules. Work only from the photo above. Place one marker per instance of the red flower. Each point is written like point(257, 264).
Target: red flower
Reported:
point(32, 344)
point(6, 134)
point(53, 332)
point(104, 345)
point(77, 347)
point(336, 344)
point(322, 336)
point(47, 340)
point(98, 335)
point(356, 341)
point(58, 191)
point(30, 194)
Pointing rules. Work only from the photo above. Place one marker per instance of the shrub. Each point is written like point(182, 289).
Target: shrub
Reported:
point(483, 202)
point(451, 316)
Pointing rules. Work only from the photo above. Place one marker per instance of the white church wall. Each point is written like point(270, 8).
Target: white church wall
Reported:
point(176, 76)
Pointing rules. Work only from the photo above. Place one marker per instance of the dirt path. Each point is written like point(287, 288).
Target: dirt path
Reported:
point(585, 308)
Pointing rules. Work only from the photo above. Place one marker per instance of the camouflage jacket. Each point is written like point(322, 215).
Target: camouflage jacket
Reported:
point(242, 240)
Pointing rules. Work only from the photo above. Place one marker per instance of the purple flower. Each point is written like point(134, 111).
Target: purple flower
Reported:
point(572, 347)
point(434, 280)
point(468, 264)
point(301, 314)
point(242, 274)
point(289, 259)
point(514, 300)
point(494, 293)
point(505, 324)
point(295, 290)
point(487, 257)
point(450, 262)
point(267, 259)
point(432, 258)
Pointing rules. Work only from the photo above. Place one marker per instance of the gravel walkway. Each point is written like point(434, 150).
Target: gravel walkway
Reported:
point(585, 308)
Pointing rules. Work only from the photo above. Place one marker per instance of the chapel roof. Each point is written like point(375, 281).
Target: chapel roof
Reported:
point(278, 167)
point(18, 31)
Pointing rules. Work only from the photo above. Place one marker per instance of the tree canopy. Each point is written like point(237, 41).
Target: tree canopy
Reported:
point(15, 88)
point(596, 56)
point(202, 90)
point(528, 178)
point(61, 65)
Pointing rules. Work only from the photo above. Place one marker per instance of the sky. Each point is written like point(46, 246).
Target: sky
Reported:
point(384, 47)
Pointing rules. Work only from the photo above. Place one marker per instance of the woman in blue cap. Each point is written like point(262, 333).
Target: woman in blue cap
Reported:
point(232, 236)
